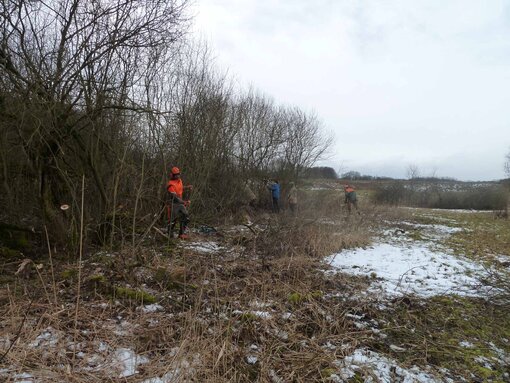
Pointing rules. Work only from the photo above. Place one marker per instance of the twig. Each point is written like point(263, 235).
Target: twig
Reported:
point(137, 199)
point(79, 265)
point(51, 266)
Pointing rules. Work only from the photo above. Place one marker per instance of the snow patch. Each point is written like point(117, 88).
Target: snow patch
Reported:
point(48, 338)
point(410, 269)
point(128, 361)
point(151, 308)
point(24, 378)
point(204, 247)
point(384, 370)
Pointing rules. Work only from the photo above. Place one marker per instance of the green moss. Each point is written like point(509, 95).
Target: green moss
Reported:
point(327, 372)
point(484, 372)
point(69, 274)
point(97, 278)
point(357, 378)
point(296, 298)
point(135, 295)
point(317, 294)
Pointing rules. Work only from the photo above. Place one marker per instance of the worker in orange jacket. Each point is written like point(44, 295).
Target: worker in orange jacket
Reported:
point(350, 198)
point(176, 208)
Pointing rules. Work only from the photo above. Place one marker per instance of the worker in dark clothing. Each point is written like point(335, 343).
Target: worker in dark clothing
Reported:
point(274, 187)
point(350, 198)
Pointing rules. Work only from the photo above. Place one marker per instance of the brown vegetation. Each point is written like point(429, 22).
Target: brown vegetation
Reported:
point(264, 295)
point(113, 92)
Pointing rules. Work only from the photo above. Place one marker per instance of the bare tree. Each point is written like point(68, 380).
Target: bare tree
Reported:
point(304, 141)
point(507, 164)
point(413, 171)
point(113, 91)
point(73, 74)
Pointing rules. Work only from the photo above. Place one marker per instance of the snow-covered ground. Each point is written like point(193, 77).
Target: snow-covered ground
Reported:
point(408, 258)
point(204, 246)
point(400, 265)
point(413, 269)
point(384, 370)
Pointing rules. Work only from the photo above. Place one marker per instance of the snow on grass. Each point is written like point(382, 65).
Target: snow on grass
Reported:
point(255, 313)
point(378, 368)
point(428, 231)
point(203, 247)
point(48, 338)
point(24, 378)
point(127, 361)
point(151, 308)
point(400, 265)
point(462, 211)
point(412, 269)
point(120, 362)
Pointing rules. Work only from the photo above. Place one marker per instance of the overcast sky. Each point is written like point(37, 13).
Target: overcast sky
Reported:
point(397, 82)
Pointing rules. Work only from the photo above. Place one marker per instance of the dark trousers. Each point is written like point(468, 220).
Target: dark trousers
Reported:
point(177, 213)
point(276, 206)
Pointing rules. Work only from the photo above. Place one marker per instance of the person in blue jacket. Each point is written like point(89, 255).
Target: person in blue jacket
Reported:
point(274, 187)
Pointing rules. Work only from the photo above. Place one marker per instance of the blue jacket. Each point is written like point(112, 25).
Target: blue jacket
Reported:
point(275, 190)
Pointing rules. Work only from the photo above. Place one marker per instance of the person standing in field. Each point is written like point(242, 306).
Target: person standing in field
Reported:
point(274, 188)
point(350, 198)
point(292, 198)
point(176, 208)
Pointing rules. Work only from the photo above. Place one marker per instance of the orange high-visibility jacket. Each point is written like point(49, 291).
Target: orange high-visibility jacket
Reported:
point(349, 189)
point(175, 186)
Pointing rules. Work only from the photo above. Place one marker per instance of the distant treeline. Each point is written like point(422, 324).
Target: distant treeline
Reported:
point(321, 172)
point(357, 176)
point(434, 195)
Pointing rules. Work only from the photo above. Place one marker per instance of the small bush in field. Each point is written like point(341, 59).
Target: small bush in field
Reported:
point(392, 194)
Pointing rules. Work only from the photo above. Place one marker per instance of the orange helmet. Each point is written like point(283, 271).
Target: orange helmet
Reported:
point(175, 170)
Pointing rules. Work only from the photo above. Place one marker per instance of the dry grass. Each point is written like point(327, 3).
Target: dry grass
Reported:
point(260, 309)
point(264, 295)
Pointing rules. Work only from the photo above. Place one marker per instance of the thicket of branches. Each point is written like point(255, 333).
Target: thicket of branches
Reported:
point(113, 91)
